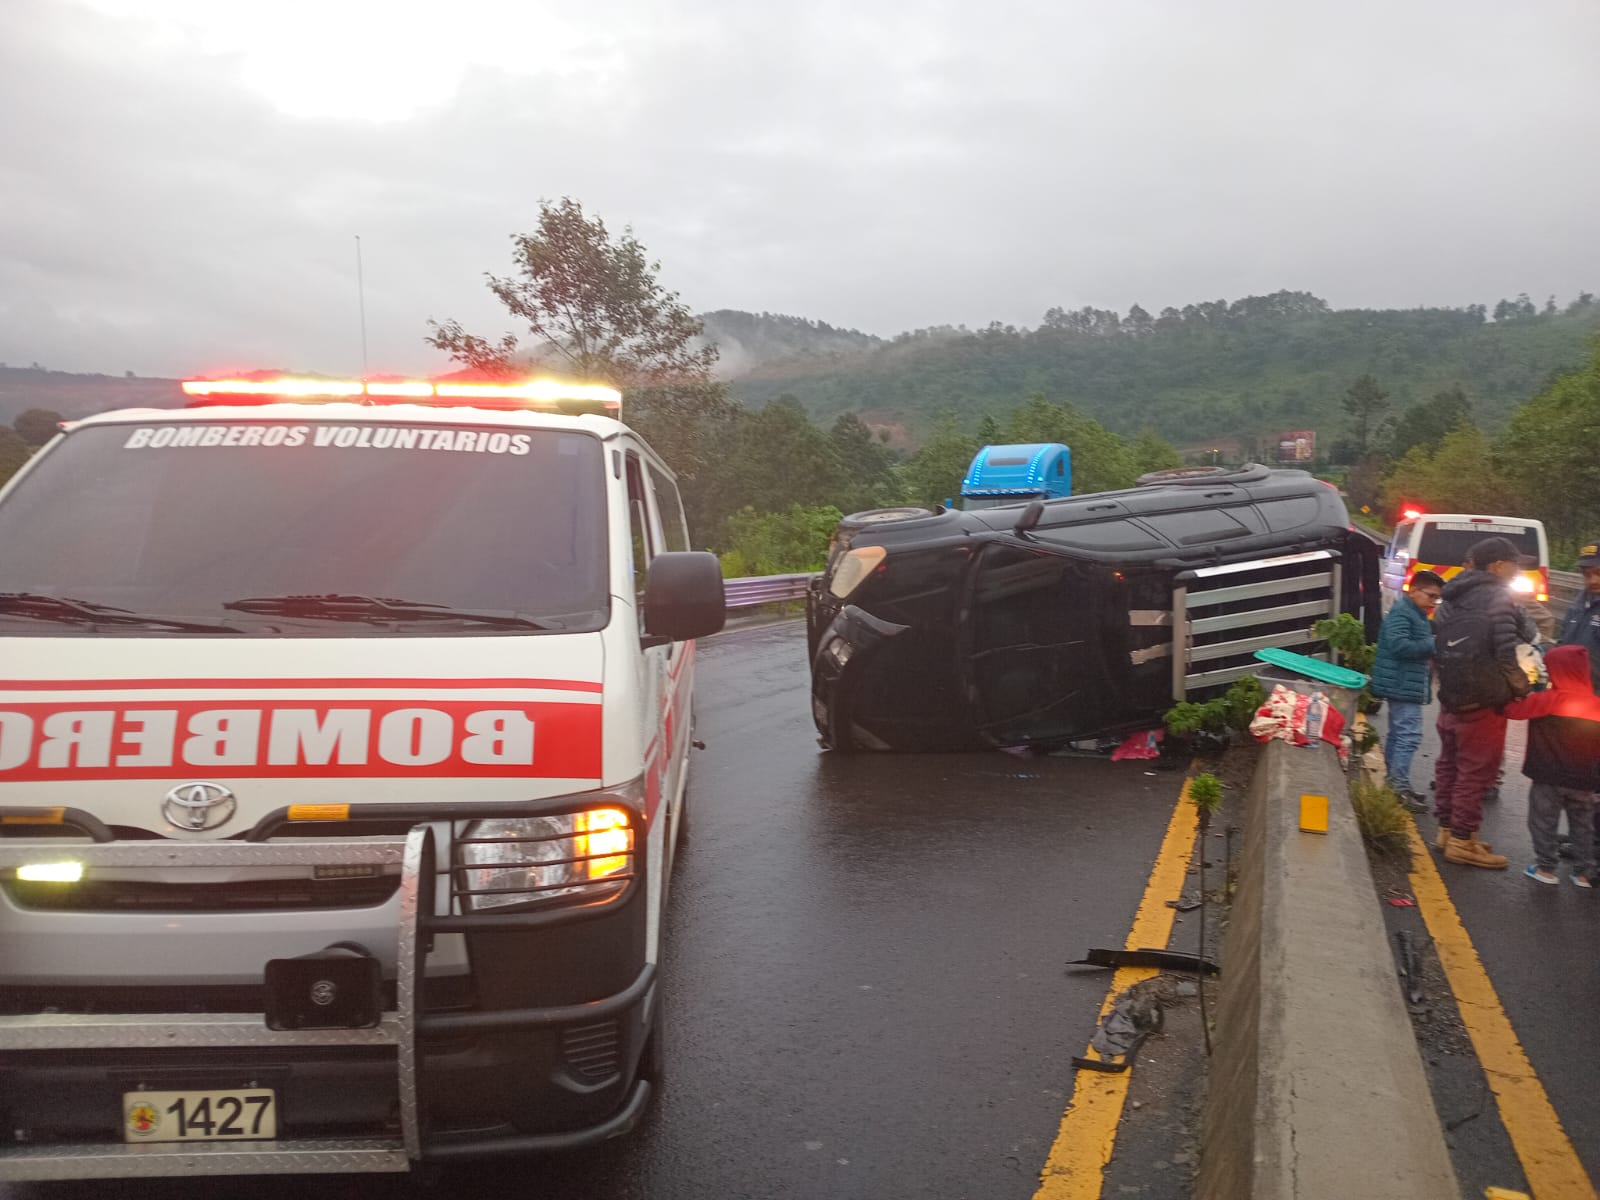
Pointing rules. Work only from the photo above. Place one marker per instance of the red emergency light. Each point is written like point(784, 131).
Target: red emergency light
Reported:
point(1411, 514)
point(539, 395)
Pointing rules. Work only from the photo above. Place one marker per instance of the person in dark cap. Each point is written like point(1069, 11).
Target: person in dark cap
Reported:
point(1581, 625)
point(1476, 632)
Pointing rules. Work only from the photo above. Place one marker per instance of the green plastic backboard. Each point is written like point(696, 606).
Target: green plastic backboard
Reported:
point(1314, 668)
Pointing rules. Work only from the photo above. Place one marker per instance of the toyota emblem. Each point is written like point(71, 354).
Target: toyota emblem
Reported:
point(197, 806)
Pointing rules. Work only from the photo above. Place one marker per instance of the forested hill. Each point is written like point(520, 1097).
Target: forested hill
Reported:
point(746, 341)
point(22, 388)
point(1261, 364)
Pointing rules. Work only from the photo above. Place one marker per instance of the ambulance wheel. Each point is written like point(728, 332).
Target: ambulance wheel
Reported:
point(684, 828)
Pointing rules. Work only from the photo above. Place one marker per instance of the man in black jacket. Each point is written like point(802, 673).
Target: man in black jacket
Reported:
point(1475, 639)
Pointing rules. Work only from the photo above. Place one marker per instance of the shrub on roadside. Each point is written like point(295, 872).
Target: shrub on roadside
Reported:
point(1233, 710)
point(1385, 823)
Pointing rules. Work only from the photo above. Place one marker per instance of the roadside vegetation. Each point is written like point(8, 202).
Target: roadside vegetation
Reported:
point(1477, 408)
point(1385, 823)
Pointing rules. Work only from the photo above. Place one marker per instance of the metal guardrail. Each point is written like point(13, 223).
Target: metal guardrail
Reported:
point(1564, 587)
point(764, 589)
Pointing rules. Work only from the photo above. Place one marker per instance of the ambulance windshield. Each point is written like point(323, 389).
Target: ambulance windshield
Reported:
point(472, 530)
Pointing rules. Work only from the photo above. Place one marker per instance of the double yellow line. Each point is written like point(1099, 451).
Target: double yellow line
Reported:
point(1075, 1167)
point(1548, 1159)
point(1088, 1133)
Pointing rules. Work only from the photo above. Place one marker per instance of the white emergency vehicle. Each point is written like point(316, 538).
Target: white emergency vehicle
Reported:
point(343, 742)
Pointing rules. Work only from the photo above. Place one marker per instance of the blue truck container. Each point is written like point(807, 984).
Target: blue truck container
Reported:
point(1017, 474)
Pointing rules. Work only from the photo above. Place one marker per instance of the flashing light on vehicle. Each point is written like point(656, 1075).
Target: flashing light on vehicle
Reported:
point(1411, 569)
point(532, 860)
point(53, 872)
point(536, 394)
point(307, 388)
point(604, 841)
point(1411, 514)
point(1522, 584)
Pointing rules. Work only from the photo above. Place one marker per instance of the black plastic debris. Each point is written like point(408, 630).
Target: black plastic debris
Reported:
point(1162, 960)
point(1134, 1016)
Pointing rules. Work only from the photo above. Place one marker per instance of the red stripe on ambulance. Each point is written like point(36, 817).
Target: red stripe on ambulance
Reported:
point(323, 739)
point(244, 685)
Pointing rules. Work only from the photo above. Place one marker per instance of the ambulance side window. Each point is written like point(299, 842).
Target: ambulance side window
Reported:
point(640, 534)
point(1400, 544)
point(674, 530)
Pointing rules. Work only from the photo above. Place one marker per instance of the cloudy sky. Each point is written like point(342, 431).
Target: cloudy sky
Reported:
point(182, 181)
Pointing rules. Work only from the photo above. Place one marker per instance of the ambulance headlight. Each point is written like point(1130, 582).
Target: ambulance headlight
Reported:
point(525, 861)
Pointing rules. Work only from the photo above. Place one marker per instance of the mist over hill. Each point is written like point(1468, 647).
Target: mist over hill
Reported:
point(1212, 370)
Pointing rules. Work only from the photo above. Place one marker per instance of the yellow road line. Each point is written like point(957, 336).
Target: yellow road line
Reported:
point(1548, 1159)
point(1076, 1165)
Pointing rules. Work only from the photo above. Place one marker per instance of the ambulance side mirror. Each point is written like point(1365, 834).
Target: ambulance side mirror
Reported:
point(683, 597)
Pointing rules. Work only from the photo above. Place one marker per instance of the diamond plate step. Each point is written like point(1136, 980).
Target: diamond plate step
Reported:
point(287, 1157)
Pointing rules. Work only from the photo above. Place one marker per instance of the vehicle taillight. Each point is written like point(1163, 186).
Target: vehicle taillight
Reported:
point(1543, 593)
point(1411, 569)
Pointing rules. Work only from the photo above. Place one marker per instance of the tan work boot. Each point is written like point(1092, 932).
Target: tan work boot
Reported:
point(1470, 852)
point(1442, 839)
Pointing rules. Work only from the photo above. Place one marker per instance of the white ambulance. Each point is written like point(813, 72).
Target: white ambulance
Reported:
point(343, 743)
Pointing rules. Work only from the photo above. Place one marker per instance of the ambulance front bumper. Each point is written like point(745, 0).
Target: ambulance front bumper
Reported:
point(520, 1060)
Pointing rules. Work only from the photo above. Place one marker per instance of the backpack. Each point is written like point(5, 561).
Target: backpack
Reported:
point(1470, 676)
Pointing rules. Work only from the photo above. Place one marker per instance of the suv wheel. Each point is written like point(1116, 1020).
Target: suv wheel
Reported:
point(883, 516)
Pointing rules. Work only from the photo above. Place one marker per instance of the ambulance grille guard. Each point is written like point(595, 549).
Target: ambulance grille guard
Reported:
point(399, 1028)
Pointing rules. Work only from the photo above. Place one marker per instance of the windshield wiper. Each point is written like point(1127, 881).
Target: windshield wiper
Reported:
point(44, 607)
point(339, 607)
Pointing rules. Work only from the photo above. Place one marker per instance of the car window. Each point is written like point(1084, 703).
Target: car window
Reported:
point(1446, 543)
point(641, 536)
point(183, 518)
point(674, 529)
point(1400, 544)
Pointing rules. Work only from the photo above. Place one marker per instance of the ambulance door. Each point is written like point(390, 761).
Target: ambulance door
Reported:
point(651, 671)
point(678, 712)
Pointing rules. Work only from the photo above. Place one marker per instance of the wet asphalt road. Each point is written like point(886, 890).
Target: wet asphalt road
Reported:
point(1541, 948)
point(864, 987)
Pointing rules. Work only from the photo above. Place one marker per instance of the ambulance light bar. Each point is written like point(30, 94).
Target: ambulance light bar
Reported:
point(546, 395)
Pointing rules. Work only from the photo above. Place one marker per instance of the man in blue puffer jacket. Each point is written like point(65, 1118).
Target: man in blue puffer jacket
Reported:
point(1401, 676)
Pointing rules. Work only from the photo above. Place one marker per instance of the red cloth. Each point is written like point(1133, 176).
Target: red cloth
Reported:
point(1300, 719)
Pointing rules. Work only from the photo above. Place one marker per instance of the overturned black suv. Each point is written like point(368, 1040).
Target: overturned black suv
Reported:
point(1073, 620)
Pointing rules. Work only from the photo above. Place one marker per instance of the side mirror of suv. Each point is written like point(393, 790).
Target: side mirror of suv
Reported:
point(683, 597)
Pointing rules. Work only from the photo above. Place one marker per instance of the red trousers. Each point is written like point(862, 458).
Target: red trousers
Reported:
point(1471, 746)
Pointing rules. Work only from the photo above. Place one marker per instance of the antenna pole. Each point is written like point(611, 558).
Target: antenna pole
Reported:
point(361, 298)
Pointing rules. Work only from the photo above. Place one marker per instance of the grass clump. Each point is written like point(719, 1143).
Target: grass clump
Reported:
point(1384, 820)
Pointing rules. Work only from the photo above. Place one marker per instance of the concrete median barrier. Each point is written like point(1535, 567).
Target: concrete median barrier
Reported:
point(1317, 1089)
